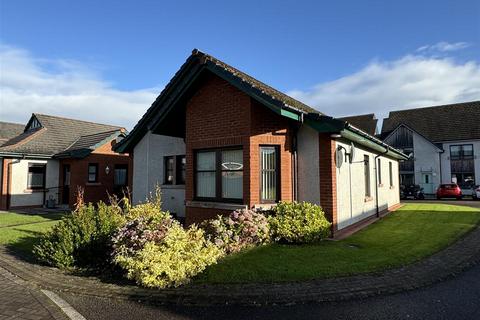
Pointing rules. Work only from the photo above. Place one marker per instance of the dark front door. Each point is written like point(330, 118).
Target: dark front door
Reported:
point(120, 180)
point(66, 184)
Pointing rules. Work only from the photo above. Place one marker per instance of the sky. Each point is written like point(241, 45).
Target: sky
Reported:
point(106, 61)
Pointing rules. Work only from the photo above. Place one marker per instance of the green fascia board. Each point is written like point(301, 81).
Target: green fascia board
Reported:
point(369, 143)
point(325, 125)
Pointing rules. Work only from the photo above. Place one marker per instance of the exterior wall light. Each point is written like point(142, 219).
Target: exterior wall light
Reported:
point(107, 169)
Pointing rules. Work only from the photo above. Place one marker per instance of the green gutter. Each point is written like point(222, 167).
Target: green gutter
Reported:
point(364, 139)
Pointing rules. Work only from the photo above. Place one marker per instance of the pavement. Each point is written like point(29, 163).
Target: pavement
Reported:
point(19, 301)
point(465, 202)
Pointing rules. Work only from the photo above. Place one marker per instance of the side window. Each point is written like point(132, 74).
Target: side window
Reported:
point(390, 173)
point(169, 169)
point(366, 172)
point(379, 169)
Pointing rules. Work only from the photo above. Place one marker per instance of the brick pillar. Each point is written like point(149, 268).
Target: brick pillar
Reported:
point(5, 184)
point(328, 178)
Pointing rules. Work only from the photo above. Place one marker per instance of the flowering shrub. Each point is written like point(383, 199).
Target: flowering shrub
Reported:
point(243, 228)
point(81, 239)
point(157, 252)
point(299, 222)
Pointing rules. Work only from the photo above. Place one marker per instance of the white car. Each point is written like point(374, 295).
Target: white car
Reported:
point(476, 193)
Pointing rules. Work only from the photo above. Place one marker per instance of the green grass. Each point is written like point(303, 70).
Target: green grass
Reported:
point(413, 232)
point(20, 232)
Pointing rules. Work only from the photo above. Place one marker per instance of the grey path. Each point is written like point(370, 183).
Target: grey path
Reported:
point(466, 202)
point(458, 298)
point(20, 302)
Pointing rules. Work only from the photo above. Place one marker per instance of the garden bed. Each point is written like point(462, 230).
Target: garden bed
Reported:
point(409, 234)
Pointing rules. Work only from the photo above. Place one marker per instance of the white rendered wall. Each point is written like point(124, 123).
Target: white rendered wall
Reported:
point(352, 205)
point(148, 171)
point(426, 161)
point(19, 194)
point(308, 165)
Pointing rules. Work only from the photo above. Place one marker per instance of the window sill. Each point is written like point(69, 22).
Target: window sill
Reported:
point(34, 190)
point(215, 205)
point(380, 185)
point(92, 184)
point(264, 206)
point(172, 186)
point(392, 187)
point(368, 199)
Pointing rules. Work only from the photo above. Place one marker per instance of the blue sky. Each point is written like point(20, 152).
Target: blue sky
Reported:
point(76, 58)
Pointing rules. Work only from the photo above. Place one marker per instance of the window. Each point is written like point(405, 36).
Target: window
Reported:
point(120, 177)
point(36, 176)
point(219, 175)
point(366, 172)
point(379, 169)
point(174, 170)
point(181, 165)
point(92, 172)
point(269, 174)
point(461, 152)
point(462, 166)
point(169, 169)
point(390, 173)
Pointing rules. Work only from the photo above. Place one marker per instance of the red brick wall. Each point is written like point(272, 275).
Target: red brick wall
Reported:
point(328, 178)
point(5, 183)
point(100, 190)
point(220, 115)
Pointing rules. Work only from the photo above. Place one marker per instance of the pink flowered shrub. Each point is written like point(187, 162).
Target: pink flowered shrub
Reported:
point(241, 229)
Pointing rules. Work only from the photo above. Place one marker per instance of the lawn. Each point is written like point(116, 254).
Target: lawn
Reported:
point(20, 232)
point(413, 232)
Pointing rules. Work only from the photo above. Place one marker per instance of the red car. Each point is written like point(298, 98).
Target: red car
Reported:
point(451, 190)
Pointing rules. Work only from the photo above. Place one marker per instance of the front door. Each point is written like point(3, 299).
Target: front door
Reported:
point(66, 184)
point(120, 180)
point(427, 183)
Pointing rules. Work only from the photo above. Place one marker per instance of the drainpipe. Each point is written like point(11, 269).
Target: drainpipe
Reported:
point(376, 178)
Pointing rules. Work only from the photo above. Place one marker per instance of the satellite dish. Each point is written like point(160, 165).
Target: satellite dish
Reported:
point(339, 157)
point(352, 152)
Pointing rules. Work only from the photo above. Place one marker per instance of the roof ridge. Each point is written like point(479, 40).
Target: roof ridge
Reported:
point(99, 132)
point(78, 120)
point(438, 106)
point(239, 73)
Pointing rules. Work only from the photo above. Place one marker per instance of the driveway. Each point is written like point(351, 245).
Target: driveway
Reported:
point(457, 298)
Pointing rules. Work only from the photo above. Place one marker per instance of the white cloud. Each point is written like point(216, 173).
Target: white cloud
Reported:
point(412, 81)
point(64, 88)
point(444, 47)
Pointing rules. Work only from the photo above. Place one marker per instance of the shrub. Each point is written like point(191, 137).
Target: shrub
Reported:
point(81, 239)
point(157, 252)
point(295, 222)
point(241, 229)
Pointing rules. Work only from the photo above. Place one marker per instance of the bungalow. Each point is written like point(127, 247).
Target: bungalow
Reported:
point(216, 140)
point(52, 157)
point(443, 141)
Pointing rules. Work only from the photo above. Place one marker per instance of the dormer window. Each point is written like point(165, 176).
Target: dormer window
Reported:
point(35, 124)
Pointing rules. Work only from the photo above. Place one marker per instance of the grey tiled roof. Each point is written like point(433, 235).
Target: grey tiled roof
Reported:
point(8, 130)
point(459, 121)
point(56, 135)
point(364, 122)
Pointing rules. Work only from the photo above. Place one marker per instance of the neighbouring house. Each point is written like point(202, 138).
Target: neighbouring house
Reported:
point(365, 122)
point(443, 143)
point(217, 140)
point(53, 157)
point(8, 130)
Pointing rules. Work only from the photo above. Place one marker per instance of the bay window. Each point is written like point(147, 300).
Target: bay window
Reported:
point(219, 175)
